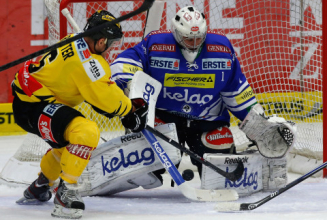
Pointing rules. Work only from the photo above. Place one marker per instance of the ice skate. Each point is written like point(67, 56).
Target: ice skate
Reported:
point(37, 193)
point(68, 202)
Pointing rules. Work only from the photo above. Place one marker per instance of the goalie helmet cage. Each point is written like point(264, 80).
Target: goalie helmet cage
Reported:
point(278, 43)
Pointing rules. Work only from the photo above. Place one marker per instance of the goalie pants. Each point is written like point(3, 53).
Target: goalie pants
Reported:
point(71, 136)
point(190, 132)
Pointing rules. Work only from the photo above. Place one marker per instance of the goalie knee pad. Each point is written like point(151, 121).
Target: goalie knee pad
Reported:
point(259, 173)
point(274, 174)
point(219, 140)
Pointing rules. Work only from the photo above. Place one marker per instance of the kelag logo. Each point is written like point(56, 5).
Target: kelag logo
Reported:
point(149, 90)
point(133, 158)
point(162, 154)
point(164, 63)
point(244, 181)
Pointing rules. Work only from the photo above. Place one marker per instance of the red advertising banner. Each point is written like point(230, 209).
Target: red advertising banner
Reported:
point(279, 43)
point(23, 31)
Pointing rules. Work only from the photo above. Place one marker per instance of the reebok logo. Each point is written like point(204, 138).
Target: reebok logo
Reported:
point(130, 137)
point(229, 160)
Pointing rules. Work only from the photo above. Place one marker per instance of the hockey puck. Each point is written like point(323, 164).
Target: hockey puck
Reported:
point(188, 175)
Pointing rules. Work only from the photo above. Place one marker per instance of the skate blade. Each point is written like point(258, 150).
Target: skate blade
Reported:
point(25, 201)
point(62, 212)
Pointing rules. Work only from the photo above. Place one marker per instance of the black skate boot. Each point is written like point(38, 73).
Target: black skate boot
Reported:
point(68, 202)
point(37, 193)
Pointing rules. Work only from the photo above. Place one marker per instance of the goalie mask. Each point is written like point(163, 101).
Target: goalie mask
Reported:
point(189, 28)
point(112, 33)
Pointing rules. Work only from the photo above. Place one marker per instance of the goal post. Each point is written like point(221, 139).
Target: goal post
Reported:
point(279, 44)
point(324, 69)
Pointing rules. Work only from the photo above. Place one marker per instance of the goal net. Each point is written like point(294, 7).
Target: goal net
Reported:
point(278, 43)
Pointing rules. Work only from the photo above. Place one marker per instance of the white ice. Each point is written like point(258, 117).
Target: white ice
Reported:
point(307, 200)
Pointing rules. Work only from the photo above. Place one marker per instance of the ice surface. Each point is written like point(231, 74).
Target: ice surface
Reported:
point(308, 200)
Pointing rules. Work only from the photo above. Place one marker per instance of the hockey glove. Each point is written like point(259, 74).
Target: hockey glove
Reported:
point(274, 136)
point(136, 121)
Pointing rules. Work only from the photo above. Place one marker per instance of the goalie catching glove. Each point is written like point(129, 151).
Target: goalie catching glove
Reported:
point(136, 120)
point(274, 136)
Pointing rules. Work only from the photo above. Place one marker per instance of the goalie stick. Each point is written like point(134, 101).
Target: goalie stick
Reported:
point(70, 19)
point(145, 6)
point(186, 189)
point(233, 176)
point(227, 207)
point(316, 109)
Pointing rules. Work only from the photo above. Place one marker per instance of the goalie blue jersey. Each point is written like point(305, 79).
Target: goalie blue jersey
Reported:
point(203, 90)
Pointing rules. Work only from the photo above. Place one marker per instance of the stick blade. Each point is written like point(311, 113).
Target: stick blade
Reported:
point(208, 195)
point(237, 173)
point(228, 207)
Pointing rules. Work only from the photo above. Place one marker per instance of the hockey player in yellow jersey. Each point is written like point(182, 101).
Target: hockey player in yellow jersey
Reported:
point(45, 93)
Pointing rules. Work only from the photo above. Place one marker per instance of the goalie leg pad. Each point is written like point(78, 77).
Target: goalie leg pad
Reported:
point(250, 182)
point(120, 184)
point(125, 162)
point(147, 181)
point(274, 174)
point(259, 173)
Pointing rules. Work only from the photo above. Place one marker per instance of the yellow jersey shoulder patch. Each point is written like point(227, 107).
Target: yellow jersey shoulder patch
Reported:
point(94, 69)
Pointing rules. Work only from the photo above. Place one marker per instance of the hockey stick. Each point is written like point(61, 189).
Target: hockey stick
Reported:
point(186, 189)
point(149, 88)
point(233, 176)
point(145, 6)
point(316, 109)
point(227, 207)
point(70, 19)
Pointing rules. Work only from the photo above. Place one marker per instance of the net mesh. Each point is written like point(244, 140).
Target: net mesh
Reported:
point(278, 43)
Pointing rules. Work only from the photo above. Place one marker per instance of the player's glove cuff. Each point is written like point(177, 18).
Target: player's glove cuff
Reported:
point(136, 121)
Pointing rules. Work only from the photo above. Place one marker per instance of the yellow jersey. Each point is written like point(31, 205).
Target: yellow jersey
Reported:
point(70, 75)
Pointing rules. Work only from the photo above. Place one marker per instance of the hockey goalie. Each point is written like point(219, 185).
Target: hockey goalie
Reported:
point(202, 83)
point(127, 162)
